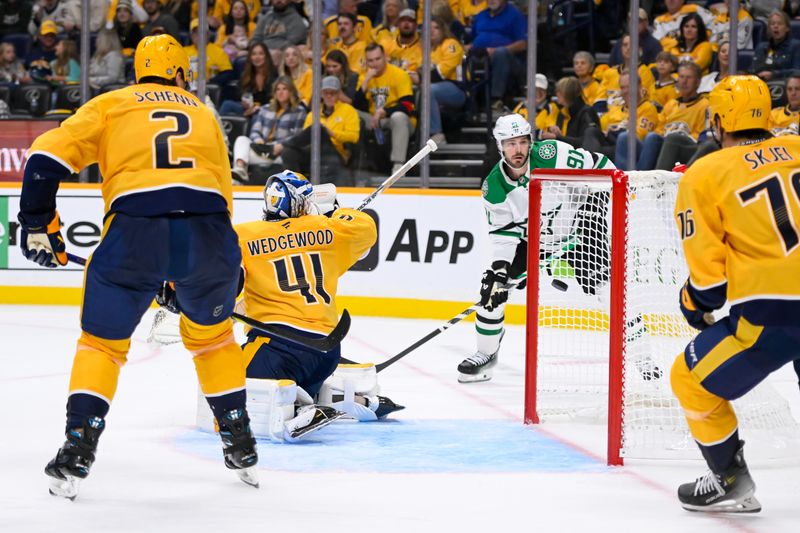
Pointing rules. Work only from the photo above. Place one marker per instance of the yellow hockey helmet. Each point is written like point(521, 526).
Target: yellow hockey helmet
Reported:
point(162, 56)
point(741, 103)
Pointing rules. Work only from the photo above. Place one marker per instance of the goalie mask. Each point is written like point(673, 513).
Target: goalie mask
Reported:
point(286, 195)
point(510, 127)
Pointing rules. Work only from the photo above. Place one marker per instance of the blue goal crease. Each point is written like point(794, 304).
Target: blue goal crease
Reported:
point(412, 446)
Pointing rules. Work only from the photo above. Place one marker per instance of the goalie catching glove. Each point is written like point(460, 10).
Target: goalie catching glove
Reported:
point(41, 240)
point(494, 285)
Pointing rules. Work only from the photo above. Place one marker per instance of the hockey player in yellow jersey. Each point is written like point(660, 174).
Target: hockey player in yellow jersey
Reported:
point(292, 261)
point(167, 194)
point(737, 211)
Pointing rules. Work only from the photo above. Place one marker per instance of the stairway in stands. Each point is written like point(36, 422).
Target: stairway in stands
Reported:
point(459, 164)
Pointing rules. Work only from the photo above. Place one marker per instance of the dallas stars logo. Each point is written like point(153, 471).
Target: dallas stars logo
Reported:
point(547, 151)
point(546, 223)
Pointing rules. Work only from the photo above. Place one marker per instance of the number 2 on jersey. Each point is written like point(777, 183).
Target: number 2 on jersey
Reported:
point(161, 142)
point(297, 264)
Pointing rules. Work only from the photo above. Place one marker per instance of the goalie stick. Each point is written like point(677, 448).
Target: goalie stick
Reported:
point(323, 344)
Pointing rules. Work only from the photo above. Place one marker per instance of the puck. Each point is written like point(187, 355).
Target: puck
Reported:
point(560, 285)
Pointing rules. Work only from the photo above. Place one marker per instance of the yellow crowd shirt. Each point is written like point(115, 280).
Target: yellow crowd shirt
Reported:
point(447, 57)
point(385, 90)
point(546, 116)
point(784, 121)
point(356, 54)
point(223, 7)
point(665, 91)
point(685, 117)
point(303, 85)
point(362, 31)
point(593, 91)
point(343, 126)
point(292, 267)
point(217, 60)
point(737, 210)
point(616, 119)
point(154, 145)
point(610, 83)
point(702, 55)
point(406, 56)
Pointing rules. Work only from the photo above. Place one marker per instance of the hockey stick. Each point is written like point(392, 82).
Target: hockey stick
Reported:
point(429, 147)
point(323, 344)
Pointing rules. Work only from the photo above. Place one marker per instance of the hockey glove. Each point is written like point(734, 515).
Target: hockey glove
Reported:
point(323, 200)
point(168, 298)
point(696, 317)
point(41, 240)
point(494, 290)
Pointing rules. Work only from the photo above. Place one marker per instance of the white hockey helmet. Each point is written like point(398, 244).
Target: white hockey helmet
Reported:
point(510, 127)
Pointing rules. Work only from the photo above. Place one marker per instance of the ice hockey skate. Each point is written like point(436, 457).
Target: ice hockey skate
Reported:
point(731, 492)
point(74, 459)
point(309, 418)
point(477, 368)
point(239, 445)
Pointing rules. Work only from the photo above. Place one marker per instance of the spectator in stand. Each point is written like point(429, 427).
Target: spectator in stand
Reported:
point(181, 11)
point(14, 17)
point(502, 32)
point(615, 123)
point(666, 87)
point(297, 69)
point(593, 91)
point(779, 56)
point(158, 18)
point(649, 44)
point(465, 10)
point(576, 123)
point(348, 44)
point(666, 27)
point(762, 9)
point(42, 52)
point(223, 7)
point(236, 30)
point(546, 110)
point(784, 120)
point(280, 27)
point(128, 31)
point(274, 123)
point(137, 11)
point(107, 64)
point(693, 42)
point(340, 127)
point(720, 28)
point(684, 122)
point(610, 78)
point(446, 93)
point(405, 50)
point(97, 14)
point(362, 28)
point(62, 13)
point(719, 69)
point(218, 67)
point(255, 83)
point(336, 65)
point(11, 69)
point(65, 66)
point(387, 29)
point(386, 101)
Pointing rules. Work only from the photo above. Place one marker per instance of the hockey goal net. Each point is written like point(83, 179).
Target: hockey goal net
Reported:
point(604, 325)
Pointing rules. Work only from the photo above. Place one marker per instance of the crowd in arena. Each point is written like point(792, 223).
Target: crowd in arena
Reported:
point(259, 68)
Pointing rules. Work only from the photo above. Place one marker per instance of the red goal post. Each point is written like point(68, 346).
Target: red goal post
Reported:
point(619, 191)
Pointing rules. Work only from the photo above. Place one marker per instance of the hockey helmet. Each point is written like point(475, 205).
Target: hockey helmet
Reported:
point(741, 103)
point(286, 195)
point(510, 127)
point(161, 56)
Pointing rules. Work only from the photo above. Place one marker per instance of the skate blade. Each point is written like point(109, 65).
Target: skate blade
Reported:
point(474, 378)
point(249, 476)
point(65, 488)
point(295, 436)
point(746, 505)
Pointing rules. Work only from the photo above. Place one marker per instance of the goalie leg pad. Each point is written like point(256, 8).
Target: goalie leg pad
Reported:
point(347, 382)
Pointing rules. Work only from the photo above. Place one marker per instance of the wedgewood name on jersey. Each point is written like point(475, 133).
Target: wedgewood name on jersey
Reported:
point(301, 239)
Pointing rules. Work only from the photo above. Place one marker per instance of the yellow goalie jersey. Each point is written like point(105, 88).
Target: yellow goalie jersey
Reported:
point(159, 149)
point(738, 211)
point(292, 267)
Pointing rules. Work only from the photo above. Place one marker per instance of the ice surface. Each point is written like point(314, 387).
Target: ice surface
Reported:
point(457, 459)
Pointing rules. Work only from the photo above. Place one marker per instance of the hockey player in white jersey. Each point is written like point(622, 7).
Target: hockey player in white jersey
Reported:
point(505, 198)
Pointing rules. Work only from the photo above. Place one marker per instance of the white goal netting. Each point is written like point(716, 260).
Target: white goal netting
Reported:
point(573, 334)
